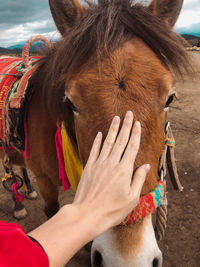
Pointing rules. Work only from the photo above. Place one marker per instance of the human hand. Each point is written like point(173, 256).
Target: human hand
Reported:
point(105, 195)
point(108, 191)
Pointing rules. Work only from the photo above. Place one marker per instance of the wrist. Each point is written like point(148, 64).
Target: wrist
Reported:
point(71, 228)
point(80, 215)
point(90, 219)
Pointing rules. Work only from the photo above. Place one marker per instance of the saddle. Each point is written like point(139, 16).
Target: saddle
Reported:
point(14, 78)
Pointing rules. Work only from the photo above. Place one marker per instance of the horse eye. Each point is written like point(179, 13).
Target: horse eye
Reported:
point(169, 101)
point(68, 102)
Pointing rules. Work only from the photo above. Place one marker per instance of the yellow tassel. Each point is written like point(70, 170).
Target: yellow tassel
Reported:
point(73, 166)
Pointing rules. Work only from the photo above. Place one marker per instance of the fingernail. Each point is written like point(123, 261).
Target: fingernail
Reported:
point(137, 124)
point(99, 135)
point(116, 120)
point(129, 115)
point(147, 167)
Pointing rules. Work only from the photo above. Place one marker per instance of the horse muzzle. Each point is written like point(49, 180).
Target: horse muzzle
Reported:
point(132, 250)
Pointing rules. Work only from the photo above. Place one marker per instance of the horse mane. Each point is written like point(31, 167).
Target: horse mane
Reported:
point(105, 26)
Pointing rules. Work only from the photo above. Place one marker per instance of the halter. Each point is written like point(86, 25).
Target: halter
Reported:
point(147, 204)
point(158, 198)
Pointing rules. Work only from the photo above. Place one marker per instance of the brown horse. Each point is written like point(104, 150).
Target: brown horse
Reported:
point(114, 56)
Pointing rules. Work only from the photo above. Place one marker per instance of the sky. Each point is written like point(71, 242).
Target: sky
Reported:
point(20, 19)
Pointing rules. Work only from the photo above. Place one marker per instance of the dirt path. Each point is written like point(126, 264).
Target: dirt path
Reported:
point(181, 245)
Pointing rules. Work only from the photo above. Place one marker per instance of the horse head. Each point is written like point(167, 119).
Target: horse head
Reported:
point(117, 56)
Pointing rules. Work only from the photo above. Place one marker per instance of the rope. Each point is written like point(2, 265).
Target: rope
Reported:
point(169, 158)
point(171, 163)
point(29, 43)
point(161, 222)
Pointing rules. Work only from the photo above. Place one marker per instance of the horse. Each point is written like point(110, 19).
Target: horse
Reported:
point(113, 56)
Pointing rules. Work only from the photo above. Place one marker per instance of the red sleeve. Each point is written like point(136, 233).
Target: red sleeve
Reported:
point(18, 250)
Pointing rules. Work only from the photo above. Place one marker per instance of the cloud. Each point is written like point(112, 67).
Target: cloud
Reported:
point(23, 11)
point(189, 16)
point(190, 29)
point(189, 20)
point(190, 4)
point(22, 32)
point(21, 19)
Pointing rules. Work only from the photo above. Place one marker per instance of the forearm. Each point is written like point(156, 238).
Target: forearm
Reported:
point(64, 234)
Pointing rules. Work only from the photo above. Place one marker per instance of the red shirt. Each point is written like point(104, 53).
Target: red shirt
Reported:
point(18, 250)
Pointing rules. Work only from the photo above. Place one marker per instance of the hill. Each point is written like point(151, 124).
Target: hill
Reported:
point(190, 36)
point(193, 40)
point(36, 47)
point(6, 51)
point(17, 49)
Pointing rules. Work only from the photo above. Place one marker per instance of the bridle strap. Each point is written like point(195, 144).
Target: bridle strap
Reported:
point(168, 160)
point(158, 198)
point(147, 205)
point(171, 164)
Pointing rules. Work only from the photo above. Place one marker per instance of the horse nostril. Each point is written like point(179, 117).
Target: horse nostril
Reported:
point(97, 259)
point(155, 262)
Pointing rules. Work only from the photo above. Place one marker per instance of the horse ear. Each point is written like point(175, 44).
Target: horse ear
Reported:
point(65, 13)
point(167, 10)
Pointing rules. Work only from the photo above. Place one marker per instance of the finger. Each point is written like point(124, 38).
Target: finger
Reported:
point(133, 145)
point(94, 153)
point(123, 137)
point(139, 179)
point(110, 139)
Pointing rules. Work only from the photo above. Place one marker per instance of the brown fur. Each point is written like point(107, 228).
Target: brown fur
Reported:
point(115, 57)
point(128, 239)
point(167, 10)
point(71, 12)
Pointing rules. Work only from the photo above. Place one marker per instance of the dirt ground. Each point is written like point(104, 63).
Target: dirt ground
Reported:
point(181, 245)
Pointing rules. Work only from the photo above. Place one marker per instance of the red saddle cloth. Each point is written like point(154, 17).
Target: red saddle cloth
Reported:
point(11, 71)
point(7, 66)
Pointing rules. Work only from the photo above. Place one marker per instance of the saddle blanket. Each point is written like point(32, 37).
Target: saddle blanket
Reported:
point(13, 89)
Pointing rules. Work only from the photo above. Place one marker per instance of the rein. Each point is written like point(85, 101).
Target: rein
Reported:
point(167, 160)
